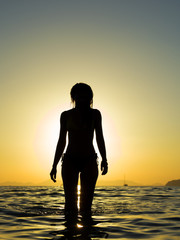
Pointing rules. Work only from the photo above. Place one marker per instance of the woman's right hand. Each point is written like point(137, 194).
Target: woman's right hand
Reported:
point(104, 167)
point(53, 174)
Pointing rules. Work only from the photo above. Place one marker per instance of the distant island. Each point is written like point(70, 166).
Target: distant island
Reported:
point(48, 182)
point(175, 183)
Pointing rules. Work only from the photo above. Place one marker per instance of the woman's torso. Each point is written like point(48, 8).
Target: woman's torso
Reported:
point(80, 125)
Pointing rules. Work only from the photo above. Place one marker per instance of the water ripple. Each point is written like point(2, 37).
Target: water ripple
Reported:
point(118, 212)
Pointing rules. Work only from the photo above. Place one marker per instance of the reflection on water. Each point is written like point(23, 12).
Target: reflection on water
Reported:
point(88, 232)
point(79, 195)
point(118, 212)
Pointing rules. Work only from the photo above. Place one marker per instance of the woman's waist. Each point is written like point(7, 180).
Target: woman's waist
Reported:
point(80, 149)
point(73, 153)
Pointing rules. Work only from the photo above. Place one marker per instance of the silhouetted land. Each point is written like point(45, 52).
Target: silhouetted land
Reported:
point(174, 183)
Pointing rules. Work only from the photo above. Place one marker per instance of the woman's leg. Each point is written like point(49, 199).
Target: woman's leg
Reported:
point(88, 179)
point(70, 181)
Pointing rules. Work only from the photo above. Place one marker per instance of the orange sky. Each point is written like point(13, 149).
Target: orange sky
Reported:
point(128, 53)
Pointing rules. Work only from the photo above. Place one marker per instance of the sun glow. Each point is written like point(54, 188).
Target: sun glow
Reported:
point(46, 137)
point(47, 133)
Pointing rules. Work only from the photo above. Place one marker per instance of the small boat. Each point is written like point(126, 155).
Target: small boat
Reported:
point(125, 184)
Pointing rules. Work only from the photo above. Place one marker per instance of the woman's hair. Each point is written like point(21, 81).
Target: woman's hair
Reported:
point(82, 89)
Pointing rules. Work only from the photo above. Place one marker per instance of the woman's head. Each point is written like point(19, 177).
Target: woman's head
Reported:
point(82, 95)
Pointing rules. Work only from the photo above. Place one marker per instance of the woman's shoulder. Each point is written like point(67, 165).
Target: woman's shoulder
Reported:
point(96, 112)
point(67, 113)
point(70, 112)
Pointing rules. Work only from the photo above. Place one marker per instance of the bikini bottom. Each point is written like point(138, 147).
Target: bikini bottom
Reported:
point(79, 162)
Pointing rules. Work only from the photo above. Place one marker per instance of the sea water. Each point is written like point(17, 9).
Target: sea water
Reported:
point(118, 213)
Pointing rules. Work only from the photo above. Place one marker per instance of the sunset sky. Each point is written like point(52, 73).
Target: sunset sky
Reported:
point(128, 51)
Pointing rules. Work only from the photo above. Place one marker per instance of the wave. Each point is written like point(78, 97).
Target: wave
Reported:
point(133, 212)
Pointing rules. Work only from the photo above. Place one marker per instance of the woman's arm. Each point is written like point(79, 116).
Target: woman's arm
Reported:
point(60, 145)
point(100, 142)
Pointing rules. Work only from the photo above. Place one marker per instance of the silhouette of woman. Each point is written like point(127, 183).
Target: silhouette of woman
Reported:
point(80, 157)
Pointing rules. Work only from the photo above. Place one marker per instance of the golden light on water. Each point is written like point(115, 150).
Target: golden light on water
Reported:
point(79, 225)
point(78, 202)
point(79, 195)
